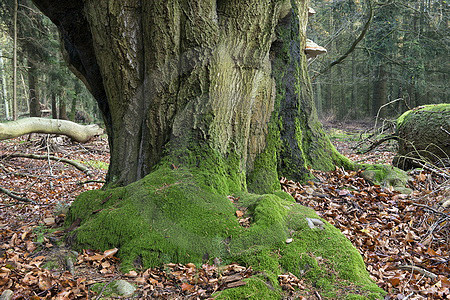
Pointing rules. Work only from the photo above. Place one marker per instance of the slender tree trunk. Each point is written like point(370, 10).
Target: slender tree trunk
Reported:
point(54, 107)
point(35, 105)
point(62, 109)
point(14, 108)
point(380, 90)
point(3, 87)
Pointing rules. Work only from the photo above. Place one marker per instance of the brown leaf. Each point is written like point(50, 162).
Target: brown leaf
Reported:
point(110, 252)
point(239, 214)
point(187, 287)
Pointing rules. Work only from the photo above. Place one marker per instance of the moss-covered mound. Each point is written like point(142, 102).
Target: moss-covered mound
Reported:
point(178, 215)
point(423, 136)
point(387, 176)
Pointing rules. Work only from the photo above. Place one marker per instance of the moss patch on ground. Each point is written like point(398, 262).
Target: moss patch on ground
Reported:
point(180, 215)
point(385, 175)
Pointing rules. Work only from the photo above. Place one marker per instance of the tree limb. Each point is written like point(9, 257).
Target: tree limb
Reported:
point(14, 196)
point(354, 44)
point(77, 165)
point(77, 132)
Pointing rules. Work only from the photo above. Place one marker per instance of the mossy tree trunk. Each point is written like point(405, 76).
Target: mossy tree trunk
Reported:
point(170, 73)
point(202, 99)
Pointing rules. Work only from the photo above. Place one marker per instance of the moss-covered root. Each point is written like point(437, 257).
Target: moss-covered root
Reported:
point(387, 176)
point(170, 217)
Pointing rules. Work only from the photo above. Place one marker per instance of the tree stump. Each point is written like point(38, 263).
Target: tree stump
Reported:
point(423, 137)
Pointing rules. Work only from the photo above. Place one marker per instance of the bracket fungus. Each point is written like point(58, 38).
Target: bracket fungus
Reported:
point(312, 49)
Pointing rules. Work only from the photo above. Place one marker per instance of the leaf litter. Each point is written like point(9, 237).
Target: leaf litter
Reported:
point(404, 239)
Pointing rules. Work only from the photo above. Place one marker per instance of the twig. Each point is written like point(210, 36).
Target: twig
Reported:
point(432, 209)
point(409, 295)
point(379, 142)
point(443, 129)
point(79, 166)
point(418, 269)
point(90, 181)
point(426, 167)
point(104, 287)
point(12, 195)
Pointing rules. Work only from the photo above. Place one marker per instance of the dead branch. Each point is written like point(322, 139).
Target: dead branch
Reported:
point(77, 132)
point(432, 170)
point(14, 196)
point(90, 181)
point(379, 142)
point(432, 209)
point(418, 269)
point(77, 165)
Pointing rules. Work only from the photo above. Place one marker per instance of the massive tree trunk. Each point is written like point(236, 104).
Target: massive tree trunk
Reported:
point(201, 99)
point(167, 73)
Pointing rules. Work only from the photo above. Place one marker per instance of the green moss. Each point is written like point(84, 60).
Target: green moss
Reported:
point(96, 164)
point(264, 176)
point(171, 216)
point(257, 287)
point(384, 175)
point(442, 107)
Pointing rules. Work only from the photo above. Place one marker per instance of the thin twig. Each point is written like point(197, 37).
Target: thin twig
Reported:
point(418, 269)
point(104, 287)
point(432, 209)
point(90, 181)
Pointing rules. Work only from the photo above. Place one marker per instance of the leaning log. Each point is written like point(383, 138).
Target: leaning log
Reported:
point(77, 132)
point(423, 137)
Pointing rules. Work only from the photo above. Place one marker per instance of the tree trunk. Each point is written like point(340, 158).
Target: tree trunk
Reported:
point(380, 90)
point(35, 105)
point(54, 107)
point(14, 106)
point(192, 74)
point(3, 86)
point(201, 100)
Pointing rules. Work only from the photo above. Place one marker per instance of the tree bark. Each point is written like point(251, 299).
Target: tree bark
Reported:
point(35, 104)
point(75, 131)
point(3, 86)
point(380, 90)
point(166, 74)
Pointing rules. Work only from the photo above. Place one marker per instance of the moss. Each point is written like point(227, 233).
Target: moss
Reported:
point(442, 107)
point(173, 216)
point(264, 176)
point(257, 287)
point(384, 175)
point(97, 164)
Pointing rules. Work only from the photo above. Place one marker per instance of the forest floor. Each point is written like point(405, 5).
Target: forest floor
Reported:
point(404, 239)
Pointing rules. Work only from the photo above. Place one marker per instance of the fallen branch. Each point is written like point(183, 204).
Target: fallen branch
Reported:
point(79, 166)
point(14, 196)
point(379, 142)
point(90, 181)
point(418, 269)
point(77, 132)
point(432, 209)
point(428, 168)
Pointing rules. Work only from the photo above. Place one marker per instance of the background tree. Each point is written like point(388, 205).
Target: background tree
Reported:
point(403, 56)
point(42, 75)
